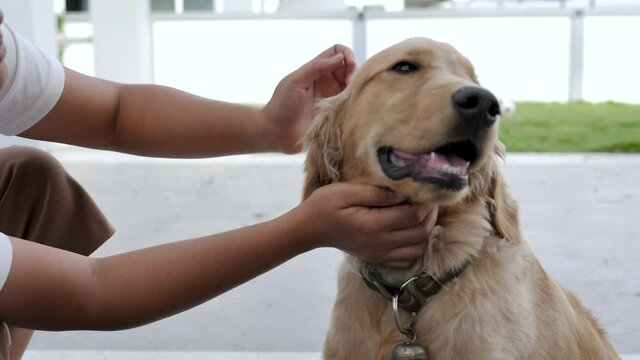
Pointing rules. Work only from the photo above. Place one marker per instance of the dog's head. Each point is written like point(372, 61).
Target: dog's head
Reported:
point(413, 119)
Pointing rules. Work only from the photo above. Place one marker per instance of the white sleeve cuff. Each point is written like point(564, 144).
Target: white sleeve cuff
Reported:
point(34, 86)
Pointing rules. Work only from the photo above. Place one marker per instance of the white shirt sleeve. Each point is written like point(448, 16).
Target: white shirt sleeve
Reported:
point(33, 87)
point(6, 257)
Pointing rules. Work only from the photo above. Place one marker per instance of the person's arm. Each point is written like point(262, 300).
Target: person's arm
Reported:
point(155, 120)
point(53, 289)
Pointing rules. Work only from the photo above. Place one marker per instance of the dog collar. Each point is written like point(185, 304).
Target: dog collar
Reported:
point(414, 296)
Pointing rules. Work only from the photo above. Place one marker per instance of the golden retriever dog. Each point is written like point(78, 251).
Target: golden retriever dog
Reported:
point(415, 119)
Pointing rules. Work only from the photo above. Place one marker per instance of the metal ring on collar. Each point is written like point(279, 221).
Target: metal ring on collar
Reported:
point(408, 331)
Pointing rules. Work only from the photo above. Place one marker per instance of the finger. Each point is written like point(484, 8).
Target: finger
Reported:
point(349, 55)
point(404, 256)
point(396, 217)
point(318, 66)
point(411, 236)
point(344, 73)
point(336, 49)
point(367, 195)
point(431, 218)
point(329, 52)
point(341, 67)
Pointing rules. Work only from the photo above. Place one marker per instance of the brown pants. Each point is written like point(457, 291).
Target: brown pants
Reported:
point(40, 202)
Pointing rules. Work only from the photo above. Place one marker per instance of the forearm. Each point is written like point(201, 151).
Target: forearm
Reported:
point(150, 120)
point(161, 121)
point(51, 289)
point(158, 282)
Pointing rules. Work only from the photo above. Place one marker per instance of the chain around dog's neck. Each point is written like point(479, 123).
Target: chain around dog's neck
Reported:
point(417, 294)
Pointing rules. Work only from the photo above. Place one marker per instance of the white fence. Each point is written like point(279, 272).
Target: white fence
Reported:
point(538, 55)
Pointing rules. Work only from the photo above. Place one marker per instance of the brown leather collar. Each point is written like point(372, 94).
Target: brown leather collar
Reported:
point(417, 294)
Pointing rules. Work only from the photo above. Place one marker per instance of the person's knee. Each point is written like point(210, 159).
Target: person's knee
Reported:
point(33, 164)
point(46, 204)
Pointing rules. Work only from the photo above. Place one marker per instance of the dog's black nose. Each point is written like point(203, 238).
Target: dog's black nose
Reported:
point(476, 104)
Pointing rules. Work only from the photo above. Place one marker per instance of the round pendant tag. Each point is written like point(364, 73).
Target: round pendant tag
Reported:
point(409, 352)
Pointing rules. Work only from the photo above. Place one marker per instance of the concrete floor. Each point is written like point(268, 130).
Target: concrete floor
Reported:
point(579, 214)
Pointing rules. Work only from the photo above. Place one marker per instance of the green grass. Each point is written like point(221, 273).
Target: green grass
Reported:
point(572, 127)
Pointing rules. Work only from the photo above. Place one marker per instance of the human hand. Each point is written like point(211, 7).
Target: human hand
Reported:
point(3, 52)
point(371, 223)
point(290, 111)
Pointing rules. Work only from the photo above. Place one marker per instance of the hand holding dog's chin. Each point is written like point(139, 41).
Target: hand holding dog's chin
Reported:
point(368, 222)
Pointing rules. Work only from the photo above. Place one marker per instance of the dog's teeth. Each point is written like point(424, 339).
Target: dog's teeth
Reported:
point(397, 160)
point(453, 170)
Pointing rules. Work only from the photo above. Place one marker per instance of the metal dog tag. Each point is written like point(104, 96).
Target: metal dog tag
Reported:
point(409, 352)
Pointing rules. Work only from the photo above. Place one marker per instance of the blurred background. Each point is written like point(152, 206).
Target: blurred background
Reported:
point(566, 70)
point(526, 50)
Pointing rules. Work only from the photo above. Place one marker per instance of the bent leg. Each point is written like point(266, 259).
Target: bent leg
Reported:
point(41, 202)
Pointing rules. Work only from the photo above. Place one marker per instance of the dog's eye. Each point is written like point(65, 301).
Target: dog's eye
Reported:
point(404, 67)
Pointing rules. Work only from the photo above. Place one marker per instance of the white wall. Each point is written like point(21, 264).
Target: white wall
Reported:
point(612, 58)
point(239, 60)
point(517, 58)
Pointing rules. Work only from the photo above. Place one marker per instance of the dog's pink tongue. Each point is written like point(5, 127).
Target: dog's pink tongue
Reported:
point(435, 163)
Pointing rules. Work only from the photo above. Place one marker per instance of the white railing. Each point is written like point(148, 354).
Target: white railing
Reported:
point(550, 54)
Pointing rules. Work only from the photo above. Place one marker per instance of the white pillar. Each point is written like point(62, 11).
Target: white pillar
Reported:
point(360, 36)
point(122, 40)
point(576, 56)
point(33, 19)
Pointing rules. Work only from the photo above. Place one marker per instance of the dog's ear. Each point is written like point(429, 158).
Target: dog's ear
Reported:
point(503, 208)
point(324, 145)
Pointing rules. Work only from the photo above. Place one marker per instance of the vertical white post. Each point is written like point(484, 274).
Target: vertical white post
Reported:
point(360, 36)
point(33, 19)
point(576, 55)
point(122, 40)
point(178, 6)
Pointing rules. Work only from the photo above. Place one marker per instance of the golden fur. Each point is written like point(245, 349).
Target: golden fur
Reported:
point(503, 305)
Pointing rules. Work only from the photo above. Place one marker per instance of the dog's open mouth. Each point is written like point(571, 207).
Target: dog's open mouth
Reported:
point(446, 166)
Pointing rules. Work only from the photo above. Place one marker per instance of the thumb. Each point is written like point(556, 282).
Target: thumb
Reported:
point(429, 219)
point(369, 196)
